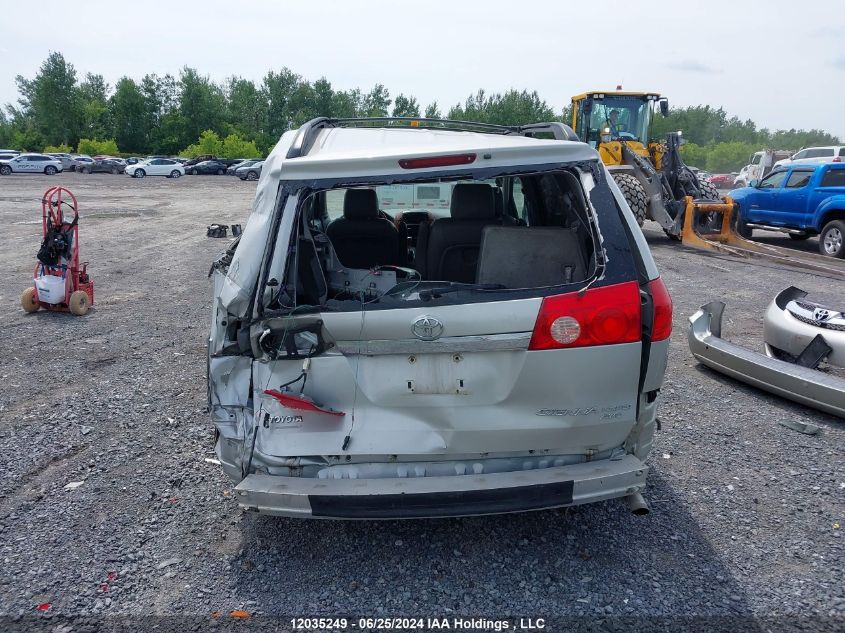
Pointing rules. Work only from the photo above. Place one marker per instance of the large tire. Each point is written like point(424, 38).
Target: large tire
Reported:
point(140, 173)
point(709, 222)
point(50, 170)
point(251, 175)
point(743, 230)
point(175, 173)
point(634, 194)
point(85, 170)
point(709, 191)
point(220, 172)
point(832, 239)
point(5, 170)
point(79, 303)
point(29, 302)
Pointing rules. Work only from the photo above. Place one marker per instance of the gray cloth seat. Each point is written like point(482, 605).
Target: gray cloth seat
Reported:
point(447, 250)
point(531, 257)
point(363, 237)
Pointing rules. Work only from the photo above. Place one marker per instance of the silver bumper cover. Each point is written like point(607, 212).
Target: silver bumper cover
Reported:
point(800, 384)
point(429, 497)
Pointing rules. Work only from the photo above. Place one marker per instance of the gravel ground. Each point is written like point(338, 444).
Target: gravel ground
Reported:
point(745, 512)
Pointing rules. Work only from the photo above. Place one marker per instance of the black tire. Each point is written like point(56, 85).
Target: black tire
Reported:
point(193, 172)
point(50, 170)
point(251, 175)
point(708, 191)
point(140, 173)
point(5, 170)
point(633, 192)
point(84, 170)
point(799, 237)
point(832, 239)
point(175, 173)
point(743, 230)
point(709, 222)
point(114, 171)
point(220, 172)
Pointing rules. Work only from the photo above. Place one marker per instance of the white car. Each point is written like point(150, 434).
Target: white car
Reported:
point(31, 164)
point(156, 167)
point(828, 154)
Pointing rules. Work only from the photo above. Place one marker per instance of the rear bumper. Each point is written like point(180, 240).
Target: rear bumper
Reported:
point(800, 384)
point(429, 497)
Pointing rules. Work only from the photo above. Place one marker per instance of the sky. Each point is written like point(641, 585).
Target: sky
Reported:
point(780, 63)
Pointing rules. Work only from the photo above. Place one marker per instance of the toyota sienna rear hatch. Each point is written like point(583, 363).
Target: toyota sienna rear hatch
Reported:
point(397, 357)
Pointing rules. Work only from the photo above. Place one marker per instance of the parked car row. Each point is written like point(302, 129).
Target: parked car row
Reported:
point(12, 161)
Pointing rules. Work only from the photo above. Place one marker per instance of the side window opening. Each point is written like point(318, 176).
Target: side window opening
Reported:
point(798, 179)
point(833, 178)
point(354, 246)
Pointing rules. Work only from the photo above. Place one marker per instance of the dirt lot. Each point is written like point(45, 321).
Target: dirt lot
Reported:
point(745, 513)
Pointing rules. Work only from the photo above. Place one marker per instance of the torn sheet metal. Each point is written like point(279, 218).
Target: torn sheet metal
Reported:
point(247, 260)
point(807, 386)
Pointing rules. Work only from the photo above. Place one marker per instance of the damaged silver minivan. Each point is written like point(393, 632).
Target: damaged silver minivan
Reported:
point(433, 318)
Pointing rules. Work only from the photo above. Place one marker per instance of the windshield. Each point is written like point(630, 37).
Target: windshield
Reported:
point(627, 117)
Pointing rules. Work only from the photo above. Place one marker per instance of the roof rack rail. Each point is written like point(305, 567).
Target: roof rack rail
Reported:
point(307, 134)
point(560, 131)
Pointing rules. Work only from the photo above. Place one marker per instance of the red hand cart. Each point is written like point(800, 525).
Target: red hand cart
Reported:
point(61, 283)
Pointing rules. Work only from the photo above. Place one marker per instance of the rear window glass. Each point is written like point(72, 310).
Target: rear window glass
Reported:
point(446, 241)
point(834, 178)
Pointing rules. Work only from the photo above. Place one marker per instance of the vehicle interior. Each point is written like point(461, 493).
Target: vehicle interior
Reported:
point(512, 233)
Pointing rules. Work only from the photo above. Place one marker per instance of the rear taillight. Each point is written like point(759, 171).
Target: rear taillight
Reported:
point(662, 325)
point(437, 161)
point(599, 316)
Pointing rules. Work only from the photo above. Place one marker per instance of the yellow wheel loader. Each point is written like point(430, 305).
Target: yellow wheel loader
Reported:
point(652, 175)
point(659, 186)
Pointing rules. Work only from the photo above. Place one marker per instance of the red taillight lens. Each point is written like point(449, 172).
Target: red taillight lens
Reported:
point(662, 327)
point(600, 316)
point(437, 161)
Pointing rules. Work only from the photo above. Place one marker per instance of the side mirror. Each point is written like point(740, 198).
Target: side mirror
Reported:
point(754, 182)
point(664, 107)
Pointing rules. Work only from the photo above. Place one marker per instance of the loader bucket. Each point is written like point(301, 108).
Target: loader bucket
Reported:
point(727, 241)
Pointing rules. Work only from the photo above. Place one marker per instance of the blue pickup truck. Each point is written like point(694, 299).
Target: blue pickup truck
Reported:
point(802, 200)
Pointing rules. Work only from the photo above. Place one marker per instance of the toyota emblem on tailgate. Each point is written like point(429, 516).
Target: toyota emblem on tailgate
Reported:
point(427, 328)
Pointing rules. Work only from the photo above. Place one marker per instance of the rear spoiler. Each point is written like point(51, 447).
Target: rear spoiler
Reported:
point(307, 134)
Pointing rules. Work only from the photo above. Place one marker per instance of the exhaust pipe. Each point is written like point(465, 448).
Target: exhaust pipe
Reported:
point(637, 504)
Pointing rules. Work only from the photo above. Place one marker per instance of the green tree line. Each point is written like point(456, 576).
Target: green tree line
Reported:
point(721, 143)
point(191, 114)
